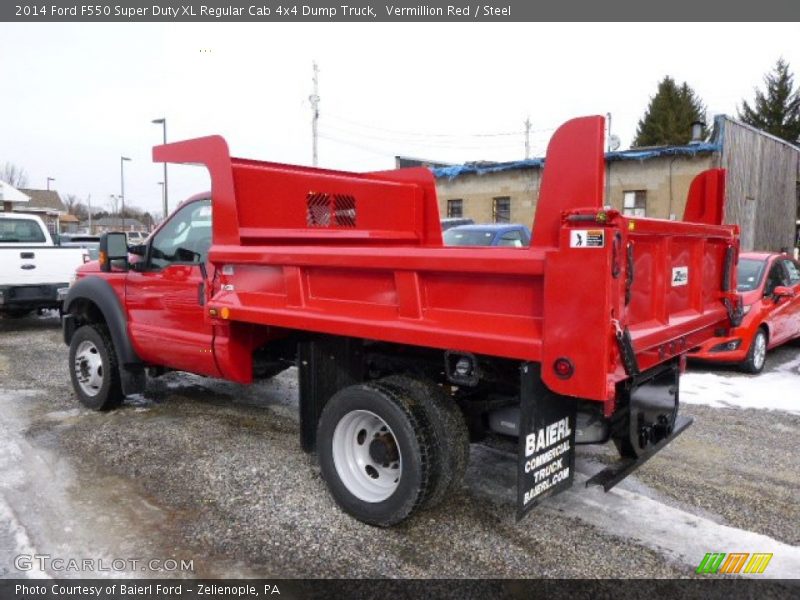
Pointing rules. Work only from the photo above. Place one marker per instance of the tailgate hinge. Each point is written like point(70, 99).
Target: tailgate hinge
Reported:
point(625, 344)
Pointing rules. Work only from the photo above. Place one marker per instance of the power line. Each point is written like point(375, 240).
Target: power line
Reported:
point(466, 144)
point(429, 134)
point(359, 146)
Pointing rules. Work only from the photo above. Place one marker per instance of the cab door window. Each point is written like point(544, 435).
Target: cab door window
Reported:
point(793, 269)
point(185, 239)
point(775, 278)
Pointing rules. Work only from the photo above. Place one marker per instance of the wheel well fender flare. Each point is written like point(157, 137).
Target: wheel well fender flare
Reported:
point(99, 292)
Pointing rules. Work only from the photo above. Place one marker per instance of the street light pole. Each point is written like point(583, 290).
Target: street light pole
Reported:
point(163, 192)
point(122, 160)
point(163, 123)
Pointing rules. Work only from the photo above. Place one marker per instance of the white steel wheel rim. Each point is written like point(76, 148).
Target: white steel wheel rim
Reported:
point(363, 476)
point(88, 368)
point(760, 351)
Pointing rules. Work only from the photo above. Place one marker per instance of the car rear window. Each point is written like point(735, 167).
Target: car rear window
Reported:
point(749, 274)
point(21, 231)
point(455, 237)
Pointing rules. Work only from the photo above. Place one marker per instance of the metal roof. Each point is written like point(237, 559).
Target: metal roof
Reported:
point(640, 154)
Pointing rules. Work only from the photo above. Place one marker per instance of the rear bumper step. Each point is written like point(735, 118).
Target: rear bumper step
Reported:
point(612, 475)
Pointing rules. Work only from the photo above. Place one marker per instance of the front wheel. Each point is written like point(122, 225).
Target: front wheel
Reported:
point(375, 453)
point(93, 368)
point(757, 355)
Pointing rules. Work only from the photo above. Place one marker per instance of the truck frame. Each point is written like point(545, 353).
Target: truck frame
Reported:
point(408, 350)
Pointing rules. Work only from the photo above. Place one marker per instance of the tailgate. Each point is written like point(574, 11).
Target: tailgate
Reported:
point(625, 294)
point(677, 288)
point(38, 265)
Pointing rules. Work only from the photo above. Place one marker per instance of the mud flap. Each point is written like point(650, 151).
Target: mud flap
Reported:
point(546, 455)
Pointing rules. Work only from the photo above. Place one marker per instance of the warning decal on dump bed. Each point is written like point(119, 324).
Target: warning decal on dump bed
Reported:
point(587, 238)
point(547, 441)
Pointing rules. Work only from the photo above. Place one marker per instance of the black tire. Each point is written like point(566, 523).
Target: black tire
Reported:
point(109, 395)
point(449, 430)
point(407, 422)
point(754, 363)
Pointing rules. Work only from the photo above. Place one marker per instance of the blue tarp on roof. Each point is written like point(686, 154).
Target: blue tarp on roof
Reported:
point(534, 163)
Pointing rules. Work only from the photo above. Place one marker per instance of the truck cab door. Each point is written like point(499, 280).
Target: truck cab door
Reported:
point(165, 296)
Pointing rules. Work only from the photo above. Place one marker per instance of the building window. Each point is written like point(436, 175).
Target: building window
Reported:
point(501, 209)
point(455, 208)
point(634, 203)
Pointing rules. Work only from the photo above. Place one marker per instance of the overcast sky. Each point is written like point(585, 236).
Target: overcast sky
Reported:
point(75, 97)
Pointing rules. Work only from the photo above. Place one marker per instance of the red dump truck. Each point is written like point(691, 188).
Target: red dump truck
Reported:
point(408, 350)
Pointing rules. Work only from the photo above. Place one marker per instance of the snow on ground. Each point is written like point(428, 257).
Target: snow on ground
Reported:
point(778, 389)
point(14, 538)
point(636, 512)
point(683, 535)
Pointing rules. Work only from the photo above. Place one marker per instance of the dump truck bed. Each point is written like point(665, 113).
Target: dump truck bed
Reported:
point(361, 255)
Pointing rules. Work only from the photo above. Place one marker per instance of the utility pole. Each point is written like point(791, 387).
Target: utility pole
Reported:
point(89, 203)
point(608, 137)
point(314, 99)
point(527, 138)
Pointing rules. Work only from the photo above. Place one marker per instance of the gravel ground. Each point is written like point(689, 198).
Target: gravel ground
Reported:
point(212, 471)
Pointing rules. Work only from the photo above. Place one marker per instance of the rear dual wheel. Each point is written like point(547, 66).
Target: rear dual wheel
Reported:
point(390, 447)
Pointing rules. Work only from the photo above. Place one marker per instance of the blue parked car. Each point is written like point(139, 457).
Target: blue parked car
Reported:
point(494, 234)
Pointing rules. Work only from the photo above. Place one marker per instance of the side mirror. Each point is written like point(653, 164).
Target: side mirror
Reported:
point(113, 246)
point(783, 292)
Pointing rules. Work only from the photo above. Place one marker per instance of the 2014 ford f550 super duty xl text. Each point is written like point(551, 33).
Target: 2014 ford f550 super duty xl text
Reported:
point(407, 350)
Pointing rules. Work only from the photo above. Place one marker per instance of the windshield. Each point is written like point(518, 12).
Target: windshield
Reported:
point(21, 231)
point(749, 274)
point(468, 237)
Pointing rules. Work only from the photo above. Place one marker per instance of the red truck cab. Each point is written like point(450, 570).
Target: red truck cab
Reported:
point(406, 349)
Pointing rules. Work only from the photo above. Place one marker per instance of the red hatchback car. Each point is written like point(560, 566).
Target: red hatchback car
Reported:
point(770, 288)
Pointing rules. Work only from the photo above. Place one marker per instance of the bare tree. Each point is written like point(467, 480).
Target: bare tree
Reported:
point(113, 204)
point(13, 175)
point(71, 201)
point(80, 210)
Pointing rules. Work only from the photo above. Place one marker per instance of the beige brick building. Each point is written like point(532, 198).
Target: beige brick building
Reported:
point(763, 184)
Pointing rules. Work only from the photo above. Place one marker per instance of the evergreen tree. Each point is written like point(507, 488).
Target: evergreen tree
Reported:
point(778, 110)
point(669, 116)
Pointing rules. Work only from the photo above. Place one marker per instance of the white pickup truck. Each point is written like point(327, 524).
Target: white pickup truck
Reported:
point(34, 273)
